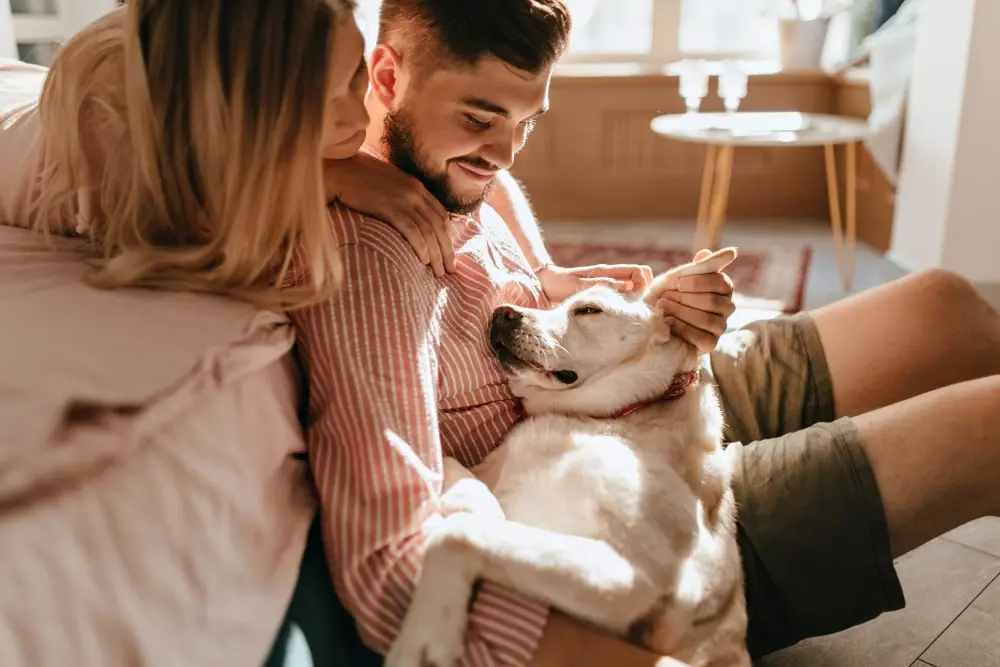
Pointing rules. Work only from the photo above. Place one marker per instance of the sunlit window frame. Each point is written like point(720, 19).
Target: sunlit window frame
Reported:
point(665, 48)
point(69, 17)
point(44, 27)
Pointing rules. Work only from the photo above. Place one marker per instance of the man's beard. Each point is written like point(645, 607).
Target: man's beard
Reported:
point(403, 152)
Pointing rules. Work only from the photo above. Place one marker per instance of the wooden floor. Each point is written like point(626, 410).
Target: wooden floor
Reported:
point(952, 584)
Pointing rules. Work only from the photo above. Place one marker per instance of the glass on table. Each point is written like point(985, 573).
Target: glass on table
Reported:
point(732, 85)
point(693, 83)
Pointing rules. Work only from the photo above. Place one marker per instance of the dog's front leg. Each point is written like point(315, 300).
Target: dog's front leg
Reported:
point(583, 577)
point(433, 632)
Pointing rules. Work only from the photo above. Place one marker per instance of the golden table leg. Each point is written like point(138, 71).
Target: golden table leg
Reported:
point(852, 214)
point(705, 196)
point(844, 246)
point(720, 198)
point(833, 195)
point(706, 185)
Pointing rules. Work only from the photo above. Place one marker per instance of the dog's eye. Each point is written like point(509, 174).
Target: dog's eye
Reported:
point(566, 377)
point(588, 310)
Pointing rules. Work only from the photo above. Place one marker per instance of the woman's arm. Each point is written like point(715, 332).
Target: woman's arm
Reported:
point(510, 202)
point(508, 199)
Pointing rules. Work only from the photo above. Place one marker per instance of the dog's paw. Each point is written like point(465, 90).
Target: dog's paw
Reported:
point(433, 635)
point(433, 632)
point(428, 641)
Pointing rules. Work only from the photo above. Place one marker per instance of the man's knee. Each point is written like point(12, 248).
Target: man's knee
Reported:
point(940, 290)
point(990, 386)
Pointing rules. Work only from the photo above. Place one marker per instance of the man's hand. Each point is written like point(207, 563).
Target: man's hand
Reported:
point(561, 283)
point(700, 307)
point(379, 189)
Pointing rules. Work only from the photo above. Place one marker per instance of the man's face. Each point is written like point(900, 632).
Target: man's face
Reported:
point(454, 128)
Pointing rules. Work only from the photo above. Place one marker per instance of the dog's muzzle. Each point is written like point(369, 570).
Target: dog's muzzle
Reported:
point(503, 335)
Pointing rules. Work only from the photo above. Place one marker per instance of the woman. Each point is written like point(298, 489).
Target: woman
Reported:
point(195, 144)
point(187, 142)
point(203, 170)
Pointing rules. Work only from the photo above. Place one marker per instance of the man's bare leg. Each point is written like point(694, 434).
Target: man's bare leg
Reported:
point(936, 459)
point(911, 336)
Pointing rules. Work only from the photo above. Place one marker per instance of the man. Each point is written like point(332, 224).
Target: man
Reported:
point(840, 434)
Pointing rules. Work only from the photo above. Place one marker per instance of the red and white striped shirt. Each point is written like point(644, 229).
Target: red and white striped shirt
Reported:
point(400, 374)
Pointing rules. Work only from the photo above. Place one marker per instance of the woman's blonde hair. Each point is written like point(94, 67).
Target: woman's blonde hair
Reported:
point(185, 138)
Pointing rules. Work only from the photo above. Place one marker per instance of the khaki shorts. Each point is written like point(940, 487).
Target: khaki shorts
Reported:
point(812, 529)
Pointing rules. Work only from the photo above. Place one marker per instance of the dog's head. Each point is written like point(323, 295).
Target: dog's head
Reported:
point(597, 345)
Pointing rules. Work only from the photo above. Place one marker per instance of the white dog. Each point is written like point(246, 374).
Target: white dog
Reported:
point(611, 501)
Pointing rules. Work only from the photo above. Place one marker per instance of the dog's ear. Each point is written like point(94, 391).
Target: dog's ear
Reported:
point(710, 263)
point(661, 332)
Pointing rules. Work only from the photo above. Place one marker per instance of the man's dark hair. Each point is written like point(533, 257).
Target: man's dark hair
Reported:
point(527, 34)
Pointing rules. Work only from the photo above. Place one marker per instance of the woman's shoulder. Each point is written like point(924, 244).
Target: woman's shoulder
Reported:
point(20, 86)
point(22, 139)
point(33, 159)
point(20, 124)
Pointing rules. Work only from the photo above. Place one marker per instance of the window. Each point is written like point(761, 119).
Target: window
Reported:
point(619, 27)
point(367, 18)
point(657, 31)
point(40, 26)
point(661, 31)
point(728, 26)
point(38, 29)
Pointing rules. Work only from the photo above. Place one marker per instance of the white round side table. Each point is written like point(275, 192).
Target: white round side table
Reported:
point(723, 132)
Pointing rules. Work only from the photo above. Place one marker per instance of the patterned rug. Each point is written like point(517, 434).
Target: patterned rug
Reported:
point(766, 280)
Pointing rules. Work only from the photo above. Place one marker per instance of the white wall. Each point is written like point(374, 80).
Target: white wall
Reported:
point(8, 47)
point(948, 202)
point(973, 242)
point(81, 12)
point(367, 18)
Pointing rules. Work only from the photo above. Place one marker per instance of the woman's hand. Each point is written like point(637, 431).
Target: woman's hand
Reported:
point(374, 187)
point(561, 283)
point(700, 307)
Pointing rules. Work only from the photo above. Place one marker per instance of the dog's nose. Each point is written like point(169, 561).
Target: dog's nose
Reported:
point(506, 317)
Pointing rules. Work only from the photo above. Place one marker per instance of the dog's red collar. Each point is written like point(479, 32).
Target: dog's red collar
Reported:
point(680, 386)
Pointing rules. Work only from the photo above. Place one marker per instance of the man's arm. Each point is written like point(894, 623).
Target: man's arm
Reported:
point(370, 355)
point(508, 199)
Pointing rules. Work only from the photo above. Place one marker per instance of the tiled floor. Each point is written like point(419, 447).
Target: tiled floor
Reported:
point(952, 584)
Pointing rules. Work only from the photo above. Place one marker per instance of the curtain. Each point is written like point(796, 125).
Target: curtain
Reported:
point(367, 18)
point(886, 10)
